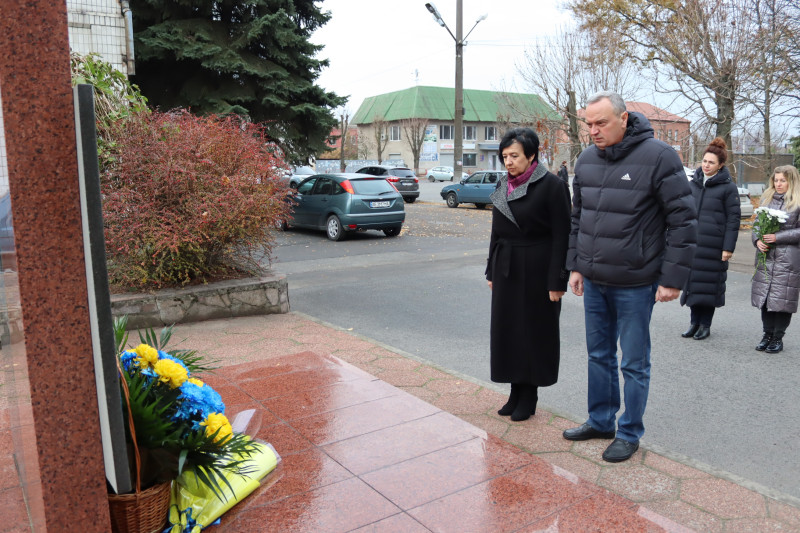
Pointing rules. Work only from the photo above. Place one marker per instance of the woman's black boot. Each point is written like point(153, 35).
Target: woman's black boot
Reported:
point(526, 406)
point(511, 404)
point(702, 333)
point(775, 344)
point(764, 341)
point(691, 331)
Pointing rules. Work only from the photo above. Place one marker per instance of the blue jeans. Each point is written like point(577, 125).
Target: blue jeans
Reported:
point(618, 314)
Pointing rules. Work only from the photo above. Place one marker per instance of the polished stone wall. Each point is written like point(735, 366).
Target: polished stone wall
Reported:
point(53, 413)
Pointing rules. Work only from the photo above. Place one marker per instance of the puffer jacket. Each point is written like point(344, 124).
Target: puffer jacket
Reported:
point(778, 286)
point(634, 219)
point(718, 219)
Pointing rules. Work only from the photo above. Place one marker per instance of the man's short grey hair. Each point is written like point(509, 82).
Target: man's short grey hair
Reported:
point(617, 103)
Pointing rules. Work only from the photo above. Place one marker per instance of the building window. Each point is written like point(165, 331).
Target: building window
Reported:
point(470, 160)
point(394, 133)
point(470, 133)
point(446, 133)
point(491, 133)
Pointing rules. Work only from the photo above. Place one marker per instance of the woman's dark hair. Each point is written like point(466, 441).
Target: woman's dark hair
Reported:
point(719, 149)
point(524, 136)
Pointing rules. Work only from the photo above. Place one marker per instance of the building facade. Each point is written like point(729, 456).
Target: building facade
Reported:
point(387, 118)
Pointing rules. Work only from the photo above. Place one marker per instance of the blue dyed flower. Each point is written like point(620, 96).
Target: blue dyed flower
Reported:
point(196, 402)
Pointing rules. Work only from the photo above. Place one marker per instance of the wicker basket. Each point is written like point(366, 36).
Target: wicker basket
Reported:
point(140, 512)
point(144, 511)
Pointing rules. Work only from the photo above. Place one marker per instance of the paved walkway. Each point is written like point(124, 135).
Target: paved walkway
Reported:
point(373, 439)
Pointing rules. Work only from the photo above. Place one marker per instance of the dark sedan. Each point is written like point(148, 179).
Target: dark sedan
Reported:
point(403, 179)
point(344, 203)
point(472, 190)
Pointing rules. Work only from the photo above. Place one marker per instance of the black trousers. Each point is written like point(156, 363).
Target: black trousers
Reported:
point(702, 314)
point(775, 322)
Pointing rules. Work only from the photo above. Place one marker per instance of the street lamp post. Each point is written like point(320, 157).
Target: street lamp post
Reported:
point(458, 115)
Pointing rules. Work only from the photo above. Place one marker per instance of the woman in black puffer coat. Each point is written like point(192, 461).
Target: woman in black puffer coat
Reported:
point(718, 215)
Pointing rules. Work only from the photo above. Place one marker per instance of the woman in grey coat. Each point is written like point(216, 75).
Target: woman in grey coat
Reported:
point(776, 284)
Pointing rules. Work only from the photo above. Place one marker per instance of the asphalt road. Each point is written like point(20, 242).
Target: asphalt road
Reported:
point(716, 401)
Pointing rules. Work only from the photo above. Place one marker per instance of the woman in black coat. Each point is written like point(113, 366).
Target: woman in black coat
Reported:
point(718, 216)
point(525, 270)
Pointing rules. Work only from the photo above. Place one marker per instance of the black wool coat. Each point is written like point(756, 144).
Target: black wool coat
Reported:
point(527, 254)
point(718, 216)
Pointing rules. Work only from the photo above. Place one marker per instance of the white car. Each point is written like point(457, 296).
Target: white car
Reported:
point(442, 174)
point(744, 202)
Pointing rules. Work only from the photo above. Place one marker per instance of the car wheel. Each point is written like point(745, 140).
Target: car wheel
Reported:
point(431, 179)
point(480, 206)
point(410, 200)
point(282, 224)
point(334, 228)
point(392, 232)
point(452, 200)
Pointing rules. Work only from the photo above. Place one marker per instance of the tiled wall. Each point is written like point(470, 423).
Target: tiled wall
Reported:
point(98, 26)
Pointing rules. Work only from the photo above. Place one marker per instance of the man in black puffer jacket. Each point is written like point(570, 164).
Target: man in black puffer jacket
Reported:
point(633, 236)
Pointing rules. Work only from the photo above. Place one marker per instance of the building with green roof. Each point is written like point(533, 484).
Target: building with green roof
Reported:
point(388, 119)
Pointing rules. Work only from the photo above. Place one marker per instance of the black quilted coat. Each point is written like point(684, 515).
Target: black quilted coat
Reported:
point(779, 286)
point(634, 218)
point(718, 217)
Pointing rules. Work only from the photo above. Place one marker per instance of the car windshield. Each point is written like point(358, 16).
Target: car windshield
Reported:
point(378, 186)
point(402, 172)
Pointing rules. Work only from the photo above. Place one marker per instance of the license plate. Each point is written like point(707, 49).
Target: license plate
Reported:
point(379, 204)
point(408, 182)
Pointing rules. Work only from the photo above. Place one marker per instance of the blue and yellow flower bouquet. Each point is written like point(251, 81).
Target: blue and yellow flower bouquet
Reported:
point(179, 423)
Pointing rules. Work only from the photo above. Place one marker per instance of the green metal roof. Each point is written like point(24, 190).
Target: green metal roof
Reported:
point(438, 103)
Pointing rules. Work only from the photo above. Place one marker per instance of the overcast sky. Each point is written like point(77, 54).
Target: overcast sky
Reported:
point(380, 46)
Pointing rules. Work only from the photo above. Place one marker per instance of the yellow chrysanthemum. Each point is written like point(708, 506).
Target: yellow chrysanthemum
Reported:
point(218, 421)
point(147, 356)
point(171, 373)
point(196, 382)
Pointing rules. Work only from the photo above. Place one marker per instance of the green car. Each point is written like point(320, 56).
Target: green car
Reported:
point(344, 203)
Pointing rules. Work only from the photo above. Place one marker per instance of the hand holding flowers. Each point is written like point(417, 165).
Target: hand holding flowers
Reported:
point(767, 222)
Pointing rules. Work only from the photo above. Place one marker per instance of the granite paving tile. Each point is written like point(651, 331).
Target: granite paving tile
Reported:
point(584, 468)
point(596, 513)
point(673, 468)
point(688, 515)
point(289, 384)
point(723, 498)
point(757, 525)
point(505, 503)
point(639, 483)
point(403, 378)
point(284, 438)
point(785, 513)
point(534, 435)
point(426, 478)
point(301, 472)
point(402, 442)
point(324, 399)
point(399, 523)
point(344, 506)
point(276, 366)
point(363, 418)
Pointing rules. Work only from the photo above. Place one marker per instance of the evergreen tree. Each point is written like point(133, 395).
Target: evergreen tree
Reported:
point(250, 57)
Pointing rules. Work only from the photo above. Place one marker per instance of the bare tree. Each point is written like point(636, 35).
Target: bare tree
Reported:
point(381, 135)
point(414, 130)
point(770, 90)
point(365, 147)
point(344, 123)
point(568, 67)
point(705, 45)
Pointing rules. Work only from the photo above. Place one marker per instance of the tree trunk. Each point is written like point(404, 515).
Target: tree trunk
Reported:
point(573, 130)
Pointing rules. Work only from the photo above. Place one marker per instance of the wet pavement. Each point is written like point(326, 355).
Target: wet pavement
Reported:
point(374, 439)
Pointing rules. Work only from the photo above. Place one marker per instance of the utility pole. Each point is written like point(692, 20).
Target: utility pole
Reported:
point(458, 137)
point(345, 123)
point(458, 115)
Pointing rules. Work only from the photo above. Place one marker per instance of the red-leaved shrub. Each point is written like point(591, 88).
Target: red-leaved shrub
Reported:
point(189, 198)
